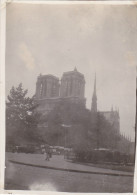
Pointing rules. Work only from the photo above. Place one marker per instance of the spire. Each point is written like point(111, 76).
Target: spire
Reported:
point(94, 98)
point(94, 93)
point(95, 85)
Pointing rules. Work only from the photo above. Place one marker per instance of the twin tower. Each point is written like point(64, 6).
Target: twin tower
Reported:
point(50, 90)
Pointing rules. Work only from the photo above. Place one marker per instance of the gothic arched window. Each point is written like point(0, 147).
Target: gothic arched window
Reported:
point(41, 86)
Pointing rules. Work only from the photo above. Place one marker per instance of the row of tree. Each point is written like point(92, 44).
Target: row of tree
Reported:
point(69, 124)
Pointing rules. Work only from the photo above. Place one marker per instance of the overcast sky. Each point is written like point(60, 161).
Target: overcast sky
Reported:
point(52, 39)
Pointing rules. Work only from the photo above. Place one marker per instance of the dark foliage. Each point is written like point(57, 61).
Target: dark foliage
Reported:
point(21, 118)
point(66, 120)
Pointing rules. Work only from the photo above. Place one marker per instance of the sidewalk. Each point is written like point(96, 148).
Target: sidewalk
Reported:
point(57, 162)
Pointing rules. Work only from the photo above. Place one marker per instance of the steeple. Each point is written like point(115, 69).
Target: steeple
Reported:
point(94, 99)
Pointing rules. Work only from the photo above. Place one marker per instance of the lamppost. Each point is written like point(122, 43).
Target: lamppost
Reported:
point(66, 127)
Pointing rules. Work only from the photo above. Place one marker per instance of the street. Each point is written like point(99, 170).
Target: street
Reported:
point(24, 177)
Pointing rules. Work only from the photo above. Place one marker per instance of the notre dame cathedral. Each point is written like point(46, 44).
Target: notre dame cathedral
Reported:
point(50, 91)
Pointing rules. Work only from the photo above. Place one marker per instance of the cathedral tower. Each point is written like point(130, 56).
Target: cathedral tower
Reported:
point(73, 86)
point(47, 86)
point(94, 99)
point(47, 93)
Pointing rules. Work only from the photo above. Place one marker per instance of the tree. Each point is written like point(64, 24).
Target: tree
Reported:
point(106, 135)
point(21, 117)
point(67, 113)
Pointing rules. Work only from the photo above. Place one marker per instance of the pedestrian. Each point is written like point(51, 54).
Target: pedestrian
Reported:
point(47, 154)
point(50, 153)
point(47, 150)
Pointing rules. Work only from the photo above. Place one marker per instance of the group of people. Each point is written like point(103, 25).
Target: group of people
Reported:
point(46, 150)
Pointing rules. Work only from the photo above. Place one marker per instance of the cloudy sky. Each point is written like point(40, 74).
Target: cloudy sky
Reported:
point(52, 39)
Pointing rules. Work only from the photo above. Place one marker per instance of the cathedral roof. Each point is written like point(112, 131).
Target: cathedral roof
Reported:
point(48, 76)
point(74, 72)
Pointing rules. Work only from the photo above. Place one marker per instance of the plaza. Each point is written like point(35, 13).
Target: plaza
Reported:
point(32, 172)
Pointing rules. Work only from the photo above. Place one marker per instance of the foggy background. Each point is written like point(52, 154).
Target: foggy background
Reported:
point(52, 39)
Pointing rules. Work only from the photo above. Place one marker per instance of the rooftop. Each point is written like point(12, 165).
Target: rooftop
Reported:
point(75, 71)
point(48, 76)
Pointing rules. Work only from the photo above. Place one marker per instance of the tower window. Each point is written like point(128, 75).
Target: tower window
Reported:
point(41, 90)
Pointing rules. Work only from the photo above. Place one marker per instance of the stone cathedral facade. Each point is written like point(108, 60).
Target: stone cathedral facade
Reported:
point(50, 90)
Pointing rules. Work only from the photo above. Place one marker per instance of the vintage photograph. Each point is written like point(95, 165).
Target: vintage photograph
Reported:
point(70, 97)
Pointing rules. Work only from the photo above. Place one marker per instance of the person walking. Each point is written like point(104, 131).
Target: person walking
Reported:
point(47, 150)
point(43, 150)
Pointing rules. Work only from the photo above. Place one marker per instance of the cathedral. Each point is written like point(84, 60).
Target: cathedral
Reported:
point(50, 90)
point(111, 116)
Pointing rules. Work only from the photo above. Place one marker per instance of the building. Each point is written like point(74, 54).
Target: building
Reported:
point(122, 142)
point(49, 90)
point(111, 116)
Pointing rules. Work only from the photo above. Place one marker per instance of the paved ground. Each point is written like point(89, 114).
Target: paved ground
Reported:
point(58, 161)
point(35, 178)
